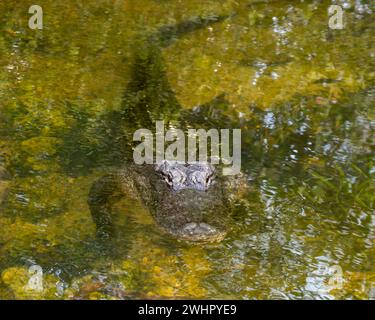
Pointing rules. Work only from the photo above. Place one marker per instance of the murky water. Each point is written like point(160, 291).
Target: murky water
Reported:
point(302, 93)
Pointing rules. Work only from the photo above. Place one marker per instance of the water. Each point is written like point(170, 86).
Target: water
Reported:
point(303, 95)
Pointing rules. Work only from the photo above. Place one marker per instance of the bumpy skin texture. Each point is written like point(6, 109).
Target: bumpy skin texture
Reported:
point(193, 210)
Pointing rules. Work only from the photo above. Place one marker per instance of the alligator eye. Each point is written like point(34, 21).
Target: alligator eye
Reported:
point(168, 179)
point(209, 178)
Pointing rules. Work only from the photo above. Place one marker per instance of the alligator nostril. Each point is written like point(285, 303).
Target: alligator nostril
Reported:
point(189, 227)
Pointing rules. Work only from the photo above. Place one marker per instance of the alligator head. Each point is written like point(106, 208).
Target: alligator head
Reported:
point(187, 201)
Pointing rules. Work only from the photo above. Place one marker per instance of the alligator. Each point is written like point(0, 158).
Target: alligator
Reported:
point(188, 201)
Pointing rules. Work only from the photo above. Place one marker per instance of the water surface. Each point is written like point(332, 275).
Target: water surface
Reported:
point(303, 95)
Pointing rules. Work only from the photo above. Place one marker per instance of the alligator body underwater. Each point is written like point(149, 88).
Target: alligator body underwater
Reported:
point(187, 201)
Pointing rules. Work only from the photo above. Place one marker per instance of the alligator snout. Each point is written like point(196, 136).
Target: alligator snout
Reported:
point(201, 232)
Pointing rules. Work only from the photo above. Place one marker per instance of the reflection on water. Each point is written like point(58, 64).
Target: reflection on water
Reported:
point(302, 94)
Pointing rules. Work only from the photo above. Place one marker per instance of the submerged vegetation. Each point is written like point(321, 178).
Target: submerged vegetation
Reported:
point(303, 95)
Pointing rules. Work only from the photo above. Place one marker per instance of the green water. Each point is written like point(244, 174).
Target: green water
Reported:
point(303, 95)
